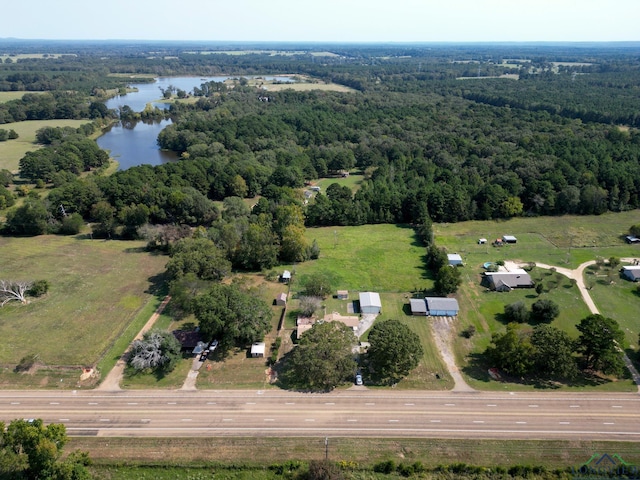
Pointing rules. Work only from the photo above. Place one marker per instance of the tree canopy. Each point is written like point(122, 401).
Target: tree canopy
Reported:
point(322, 360)
point(600, 342)
point(395, 350)
point(31, 450)
point(231, 315)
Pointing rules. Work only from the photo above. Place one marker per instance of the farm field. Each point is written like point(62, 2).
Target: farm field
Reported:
point(96, 289)
point(353, 181)
point(12, 151)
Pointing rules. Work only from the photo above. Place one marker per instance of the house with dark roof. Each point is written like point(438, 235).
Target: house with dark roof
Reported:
point(507, 281)
point(631, 273)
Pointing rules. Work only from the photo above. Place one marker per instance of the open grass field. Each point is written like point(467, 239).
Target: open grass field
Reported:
point(564, 241)
point(380, 258)
point(12, 151)
point(96, 289)
point(114, 458)
point(353, 181)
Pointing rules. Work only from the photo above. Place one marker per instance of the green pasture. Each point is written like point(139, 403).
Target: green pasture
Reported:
point(353, 181)
point(380, 258)
point(97, 288)
point(565, 241)
point(12, 151)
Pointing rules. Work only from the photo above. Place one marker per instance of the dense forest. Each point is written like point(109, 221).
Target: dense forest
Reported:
point(441, 133)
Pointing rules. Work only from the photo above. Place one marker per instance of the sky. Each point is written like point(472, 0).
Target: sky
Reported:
point(324, 20)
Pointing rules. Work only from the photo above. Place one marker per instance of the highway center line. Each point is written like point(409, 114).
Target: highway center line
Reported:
point(533, 406)
point(449, 404)
point(15, 403)
point(211, 403)
point(491, 405)
point(54, 403)
point(309, 419)
point(394, 420)
point(435, 421)
point(369, 404)
point(63, 419)
point(563, 423)
point(521, 423)
point(329, 403)
point(608, 423)
point(269, 420)
point(616, 406)
point(478, 421)
point(574, 406)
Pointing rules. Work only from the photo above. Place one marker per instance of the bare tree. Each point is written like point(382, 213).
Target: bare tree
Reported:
point(13, 290)
point(309, 305)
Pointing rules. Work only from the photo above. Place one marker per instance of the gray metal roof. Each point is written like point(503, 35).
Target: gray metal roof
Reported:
point(439, 303)
point(418, 305)
point(370, 299)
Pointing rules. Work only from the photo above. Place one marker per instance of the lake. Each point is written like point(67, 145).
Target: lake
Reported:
point(136, 143)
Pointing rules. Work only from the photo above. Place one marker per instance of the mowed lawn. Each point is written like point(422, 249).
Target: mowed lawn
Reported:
point(379, 258)
point(12, 151)
point(96, 288)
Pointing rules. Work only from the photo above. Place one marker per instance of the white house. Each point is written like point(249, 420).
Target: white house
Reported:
point(370, 302)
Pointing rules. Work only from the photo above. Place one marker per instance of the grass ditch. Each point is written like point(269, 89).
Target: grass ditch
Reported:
point(114, 457)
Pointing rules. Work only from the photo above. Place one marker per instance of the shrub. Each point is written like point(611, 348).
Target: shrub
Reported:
point(469, 332)
point(385, 467)
point(516, 312)
point(39, 288)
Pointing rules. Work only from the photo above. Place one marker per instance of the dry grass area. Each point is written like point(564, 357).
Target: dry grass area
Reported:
point(363, 451)
point(334, 87)
point(96, 289)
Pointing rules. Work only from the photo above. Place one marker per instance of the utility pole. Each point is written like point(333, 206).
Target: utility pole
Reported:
point(326, 448)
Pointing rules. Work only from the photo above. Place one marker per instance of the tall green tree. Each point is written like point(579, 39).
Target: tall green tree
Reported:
point(544, 310)
point(30, 218)
point(231, 315)
point(511, 351)
point(448, 279)
point(322, 360)
point(31, 450)
point(199, 256)
point(395, 350)
point(600, 342)
point(553, 353)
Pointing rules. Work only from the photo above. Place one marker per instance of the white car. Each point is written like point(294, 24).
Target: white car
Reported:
point(359, 379)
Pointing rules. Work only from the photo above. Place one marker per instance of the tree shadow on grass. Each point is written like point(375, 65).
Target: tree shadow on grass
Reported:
point(158, 284)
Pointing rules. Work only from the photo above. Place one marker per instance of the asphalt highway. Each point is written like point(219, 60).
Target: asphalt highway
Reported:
point(357, 412)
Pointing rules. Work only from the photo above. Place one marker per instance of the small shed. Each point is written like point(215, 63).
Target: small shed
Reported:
point(343, 294)
point(370, 302)
point(285, 277)
point(482, 241)
point(281, 299)
point(257, 349)
point(631, 273)
point(454, 259)
point(509, 239)
point(442, 307)
point(418, 307)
